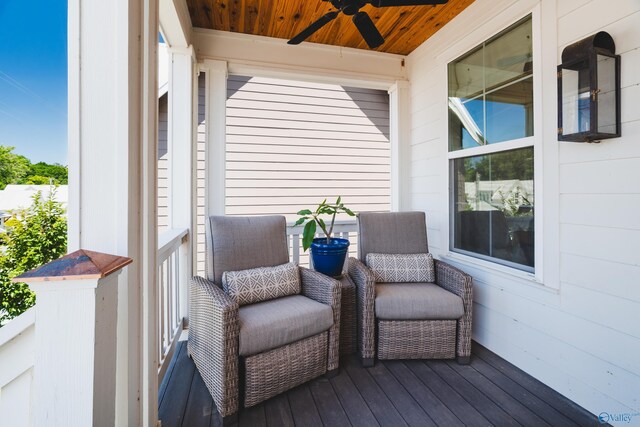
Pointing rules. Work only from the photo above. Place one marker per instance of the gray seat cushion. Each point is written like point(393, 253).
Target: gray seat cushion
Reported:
point(272, 324)
point(416, 301)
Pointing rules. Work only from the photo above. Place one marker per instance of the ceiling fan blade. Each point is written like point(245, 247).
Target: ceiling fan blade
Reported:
point(368, 30)
point(389, 3)
point(304, 34)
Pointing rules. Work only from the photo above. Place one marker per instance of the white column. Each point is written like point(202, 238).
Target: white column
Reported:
point(400, 139)
point(182, 147)
point(75, 342)
point(216, 111)
point(113, 161)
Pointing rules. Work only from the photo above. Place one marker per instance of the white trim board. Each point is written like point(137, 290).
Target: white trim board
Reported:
point(271, 57)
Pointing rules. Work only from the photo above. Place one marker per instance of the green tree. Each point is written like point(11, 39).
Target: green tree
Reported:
point(41, 170)
point(17, 169)
point(13, 167)
point(39, 180)
point(514, 164)
point(34, 237)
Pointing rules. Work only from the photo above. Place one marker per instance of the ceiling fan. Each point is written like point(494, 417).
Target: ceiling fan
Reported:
point(363, 22)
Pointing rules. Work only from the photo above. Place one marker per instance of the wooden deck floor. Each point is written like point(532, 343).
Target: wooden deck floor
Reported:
point(489, 391)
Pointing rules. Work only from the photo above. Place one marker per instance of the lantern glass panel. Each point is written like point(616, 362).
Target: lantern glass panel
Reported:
point(576, 97)
point(606, 94)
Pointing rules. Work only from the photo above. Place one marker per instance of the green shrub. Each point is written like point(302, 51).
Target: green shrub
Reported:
point(34, 237)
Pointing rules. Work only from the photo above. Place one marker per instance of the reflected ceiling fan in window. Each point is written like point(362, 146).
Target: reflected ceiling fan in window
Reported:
point(362, 21)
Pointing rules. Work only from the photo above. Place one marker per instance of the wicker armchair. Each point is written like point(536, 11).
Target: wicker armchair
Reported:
point(408, 335)
point(235, 375)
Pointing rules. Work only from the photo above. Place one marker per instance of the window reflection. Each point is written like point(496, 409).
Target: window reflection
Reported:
point(494, 206)
point(509, 112)
point(491, 90)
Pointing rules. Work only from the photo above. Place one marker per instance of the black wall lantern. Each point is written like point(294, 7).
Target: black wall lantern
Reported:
point(589, 90)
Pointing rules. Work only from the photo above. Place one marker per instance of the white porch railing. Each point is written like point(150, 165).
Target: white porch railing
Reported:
point(173, 271)
point(343, 229)
point(17, 358)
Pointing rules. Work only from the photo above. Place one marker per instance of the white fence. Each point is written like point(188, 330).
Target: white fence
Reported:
point(17, 352)
point(342, 229)
point(173, 274)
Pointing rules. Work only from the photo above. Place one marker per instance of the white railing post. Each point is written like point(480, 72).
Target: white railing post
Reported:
point(173, 275)
point(75, 339)
point(185, 258)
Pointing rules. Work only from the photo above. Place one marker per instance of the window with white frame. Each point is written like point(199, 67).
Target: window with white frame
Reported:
point(491, 151)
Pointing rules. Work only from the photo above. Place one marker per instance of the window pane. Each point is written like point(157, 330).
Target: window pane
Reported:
point(466, 123)
point(493, 206)
point(466, 79)
point(490, 95)
point(510, 112)
point(508, 56)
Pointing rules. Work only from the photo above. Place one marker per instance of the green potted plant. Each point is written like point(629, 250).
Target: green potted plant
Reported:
point(327, 253)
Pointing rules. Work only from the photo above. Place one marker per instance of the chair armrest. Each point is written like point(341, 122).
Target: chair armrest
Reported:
point(454, 280)
point(213, 341)
point(320, 288)
point(460, 283)
point(325, 290)
point(365, 299)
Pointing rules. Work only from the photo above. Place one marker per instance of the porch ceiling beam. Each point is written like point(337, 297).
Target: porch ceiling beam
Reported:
point(271, 57)
point(175, 23)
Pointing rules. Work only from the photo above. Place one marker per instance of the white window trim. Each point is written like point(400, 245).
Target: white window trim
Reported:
point(545, 161)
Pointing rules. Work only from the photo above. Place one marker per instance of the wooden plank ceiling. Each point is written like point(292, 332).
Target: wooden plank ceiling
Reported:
point(404, 28)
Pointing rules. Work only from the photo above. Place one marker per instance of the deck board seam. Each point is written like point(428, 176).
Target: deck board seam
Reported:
point(339, 401)
point(550, 402)
point(186, 401)
point(167, 378)
point(366, 372)
point(516, 397)
point(404, 388)
point(493, 398)
point(410, 372)
point(361, 397)
point(458, 393)
point(470, 384)
point(443, 401)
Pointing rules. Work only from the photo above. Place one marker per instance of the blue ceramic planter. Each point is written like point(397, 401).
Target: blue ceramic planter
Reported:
point(328, 259)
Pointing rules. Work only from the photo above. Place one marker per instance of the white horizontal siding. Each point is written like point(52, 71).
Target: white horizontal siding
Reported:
point(583, 339)
point(291, 144)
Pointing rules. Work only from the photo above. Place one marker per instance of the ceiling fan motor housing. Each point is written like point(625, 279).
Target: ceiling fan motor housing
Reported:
point(348, 7)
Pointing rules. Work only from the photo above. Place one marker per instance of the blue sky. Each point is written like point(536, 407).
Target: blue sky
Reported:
point(33, 78)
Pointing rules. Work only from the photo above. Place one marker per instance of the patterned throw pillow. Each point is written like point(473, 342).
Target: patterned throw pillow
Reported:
point(262, 284)
point(399, 268)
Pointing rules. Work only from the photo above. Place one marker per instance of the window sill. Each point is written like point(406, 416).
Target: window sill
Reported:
point(514, 275)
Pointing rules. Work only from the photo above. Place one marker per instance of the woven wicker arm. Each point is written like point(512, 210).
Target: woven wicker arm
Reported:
point(213, 342)
point(328, 291)
point(459, 283)
point(365, 298)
